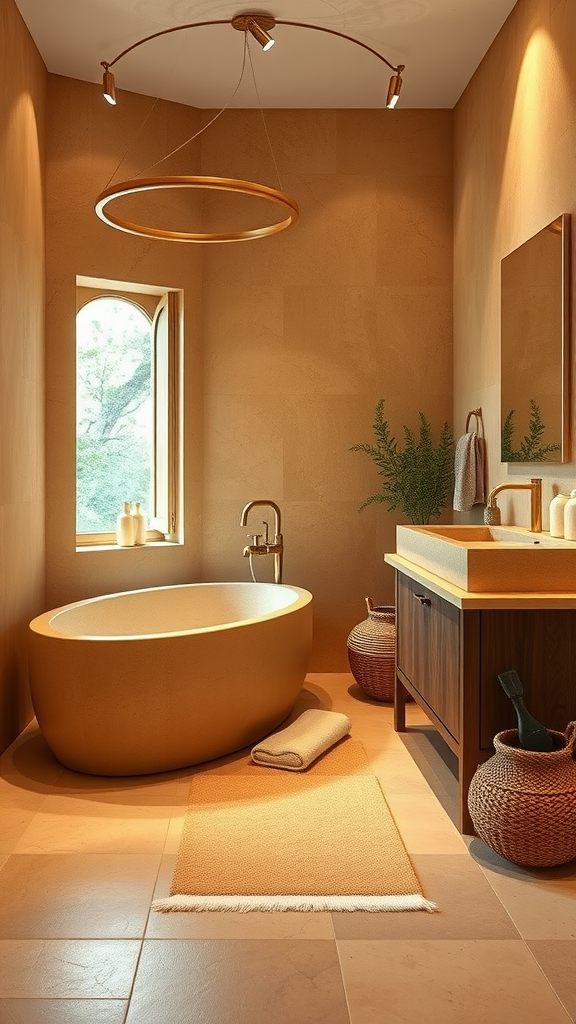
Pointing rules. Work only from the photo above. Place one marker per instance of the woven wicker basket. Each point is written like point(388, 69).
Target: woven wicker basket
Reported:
point(372, 650)
point(523, 803)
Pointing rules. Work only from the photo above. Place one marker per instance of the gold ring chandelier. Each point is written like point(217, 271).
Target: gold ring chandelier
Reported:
point(259, 26)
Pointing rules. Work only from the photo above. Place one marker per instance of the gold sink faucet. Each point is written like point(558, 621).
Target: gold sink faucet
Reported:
point(492, 514)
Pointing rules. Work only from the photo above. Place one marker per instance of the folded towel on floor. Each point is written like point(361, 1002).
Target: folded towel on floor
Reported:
point(300, 743)
point(468, 472)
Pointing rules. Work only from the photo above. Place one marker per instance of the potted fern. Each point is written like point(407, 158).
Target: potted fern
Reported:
point(417, 477)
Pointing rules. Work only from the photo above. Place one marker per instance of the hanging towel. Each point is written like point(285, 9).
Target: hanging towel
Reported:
point(300, 743)
point(469, 472)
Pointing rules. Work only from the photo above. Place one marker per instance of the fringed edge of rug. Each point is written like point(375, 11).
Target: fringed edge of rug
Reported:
point(270, 904)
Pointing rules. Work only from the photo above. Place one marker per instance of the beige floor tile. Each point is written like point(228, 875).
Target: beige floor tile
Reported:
point(438, 765)
point(30, 757)
point(396, 771)
point(19, 801)
point(82, 826)
point(60, 969)
point(557, 959)
point(80, 896)
point(467, 907)
point(423, 824)
point(233, 982)
point(16, 791)
point(372, 734)
point(402, 981)
point(239, 926)
point(174, 833)
point(14, 821)
point(62, 1011)
point(130, 792)
point(229, 925)
point(541, 904)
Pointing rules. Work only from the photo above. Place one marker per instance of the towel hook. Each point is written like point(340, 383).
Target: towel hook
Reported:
point(478, 414)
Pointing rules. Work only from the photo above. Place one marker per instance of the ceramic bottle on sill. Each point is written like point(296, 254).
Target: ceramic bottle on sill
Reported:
point(125, 527)
point(139, 524)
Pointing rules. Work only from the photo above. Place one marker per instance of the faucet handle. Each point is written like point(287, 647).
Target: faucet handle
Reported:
point(492, 515)
point(266, 537)
point(255, 538)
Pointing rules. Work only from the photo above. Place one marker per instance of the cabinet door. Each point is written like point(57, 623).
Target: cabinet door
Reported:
point(428, 648)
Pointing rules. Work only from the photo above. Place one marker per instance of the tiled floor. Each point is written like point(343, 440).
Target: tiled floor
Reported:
point(81, 859)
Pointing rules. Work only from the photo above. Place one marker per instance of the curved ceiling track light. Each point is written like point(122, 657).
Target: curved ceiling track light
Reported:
point(259, 26)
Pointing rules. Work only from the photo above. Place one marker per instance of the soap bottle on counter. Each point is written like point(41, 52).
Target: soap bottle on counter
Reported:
point(139, 524)
point(570, 517)
point(557, 506)
point(125, 527)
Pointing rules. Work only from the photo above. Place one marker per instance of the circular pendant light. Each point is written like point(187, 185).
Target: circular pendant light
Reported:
point(199, 181)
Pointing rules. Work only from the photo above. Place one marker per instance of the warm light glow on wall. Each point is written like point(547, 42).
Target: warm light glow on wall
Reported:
point(21, 148)
point(541, 109)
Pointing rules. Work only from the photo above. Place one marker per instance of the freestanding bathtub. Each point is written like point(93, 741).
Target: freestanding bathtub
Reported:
point(151, 680)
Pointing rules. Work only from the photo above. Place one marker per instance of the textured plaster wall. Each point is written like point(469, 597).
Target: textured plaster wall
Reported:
point(515, 154)
point(89, 143)
point(305, 331)
point(291, 340)
point(22, 95)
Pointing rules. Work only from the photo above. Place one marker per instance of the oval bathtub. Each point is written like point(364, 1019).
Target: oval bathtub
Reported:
point(151, 680)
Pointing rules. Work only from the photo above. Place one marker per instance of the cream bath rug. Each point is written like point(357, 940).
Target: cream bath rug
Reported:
point(256, 839)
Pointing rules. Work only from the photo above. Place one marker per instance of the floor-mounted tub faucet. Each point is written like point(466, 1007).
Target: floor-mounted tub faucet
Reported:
point(261, 542)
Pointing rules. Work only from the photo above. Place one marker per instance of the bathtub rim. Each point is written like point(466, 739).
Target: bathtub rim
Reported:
point(41, 624)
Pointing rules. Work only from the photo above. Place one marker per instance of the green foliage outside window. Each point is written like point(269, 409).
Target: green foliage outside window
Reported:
point(114, 411)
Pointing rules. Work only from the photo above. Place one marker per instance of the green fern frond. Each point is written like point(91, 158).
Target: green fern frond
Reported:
point(418, 477)
point(531, 449)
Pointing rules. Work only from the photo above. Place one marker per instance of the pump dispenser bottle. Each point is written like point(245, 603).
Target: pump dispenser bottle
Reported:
point(125, 527)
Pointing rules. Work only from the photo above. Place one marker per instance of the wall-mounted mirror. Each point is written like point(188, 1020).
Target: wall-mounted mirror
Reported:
point(534, 348)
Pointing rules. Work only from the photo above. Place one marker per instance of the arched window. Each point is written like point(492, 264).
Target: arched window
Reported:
point(125, 395)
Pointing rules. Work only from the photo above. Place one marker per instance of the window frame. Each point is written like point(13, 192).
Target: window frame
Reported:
point(166, 442)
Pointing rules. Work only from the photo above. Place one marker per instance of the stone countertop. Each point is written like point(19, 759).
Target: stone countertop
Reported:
point(468, 599)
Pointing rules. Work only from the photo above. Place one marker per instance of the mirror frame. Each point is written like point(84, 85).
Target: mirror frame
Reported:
point(565, 433)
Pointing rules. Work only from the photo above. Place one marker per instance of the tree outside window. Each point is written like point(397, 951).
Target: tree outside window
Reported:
point(114, 411)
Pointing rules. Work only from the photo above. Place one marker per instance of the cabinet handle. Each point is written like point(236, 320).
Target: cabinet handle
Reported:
point(422, 599)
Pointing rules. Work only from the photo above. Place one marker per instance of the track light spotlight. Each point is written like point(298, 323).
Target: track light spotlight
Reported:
point(260, 34)
point(258, 25)
point(394, 88)
point(109, 85)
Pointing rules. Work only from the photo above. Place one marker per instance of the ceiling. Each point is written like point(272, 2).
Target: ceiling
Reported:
point(441, 42)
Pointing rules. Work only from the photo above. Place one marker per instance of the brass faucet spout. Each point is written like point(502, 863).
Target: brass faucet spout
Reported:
point(492, 511)
point(268, 504)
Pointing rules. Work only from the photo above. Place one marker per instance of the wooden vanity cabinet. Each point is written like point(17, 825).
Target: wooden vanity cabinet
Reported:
point(448, 659)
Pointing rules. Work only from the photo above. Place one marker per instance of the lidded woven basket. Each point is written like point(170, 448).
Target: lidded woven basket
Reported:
point(372, 652)
point(523, 802)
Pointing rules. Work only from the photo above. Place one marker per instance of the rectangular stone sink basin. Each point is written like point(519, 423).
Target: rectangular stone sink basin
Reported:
point(491, 559)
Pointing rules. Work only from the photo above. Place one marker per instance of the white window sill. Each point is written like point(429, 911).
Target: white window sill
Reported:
point(134, 547)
